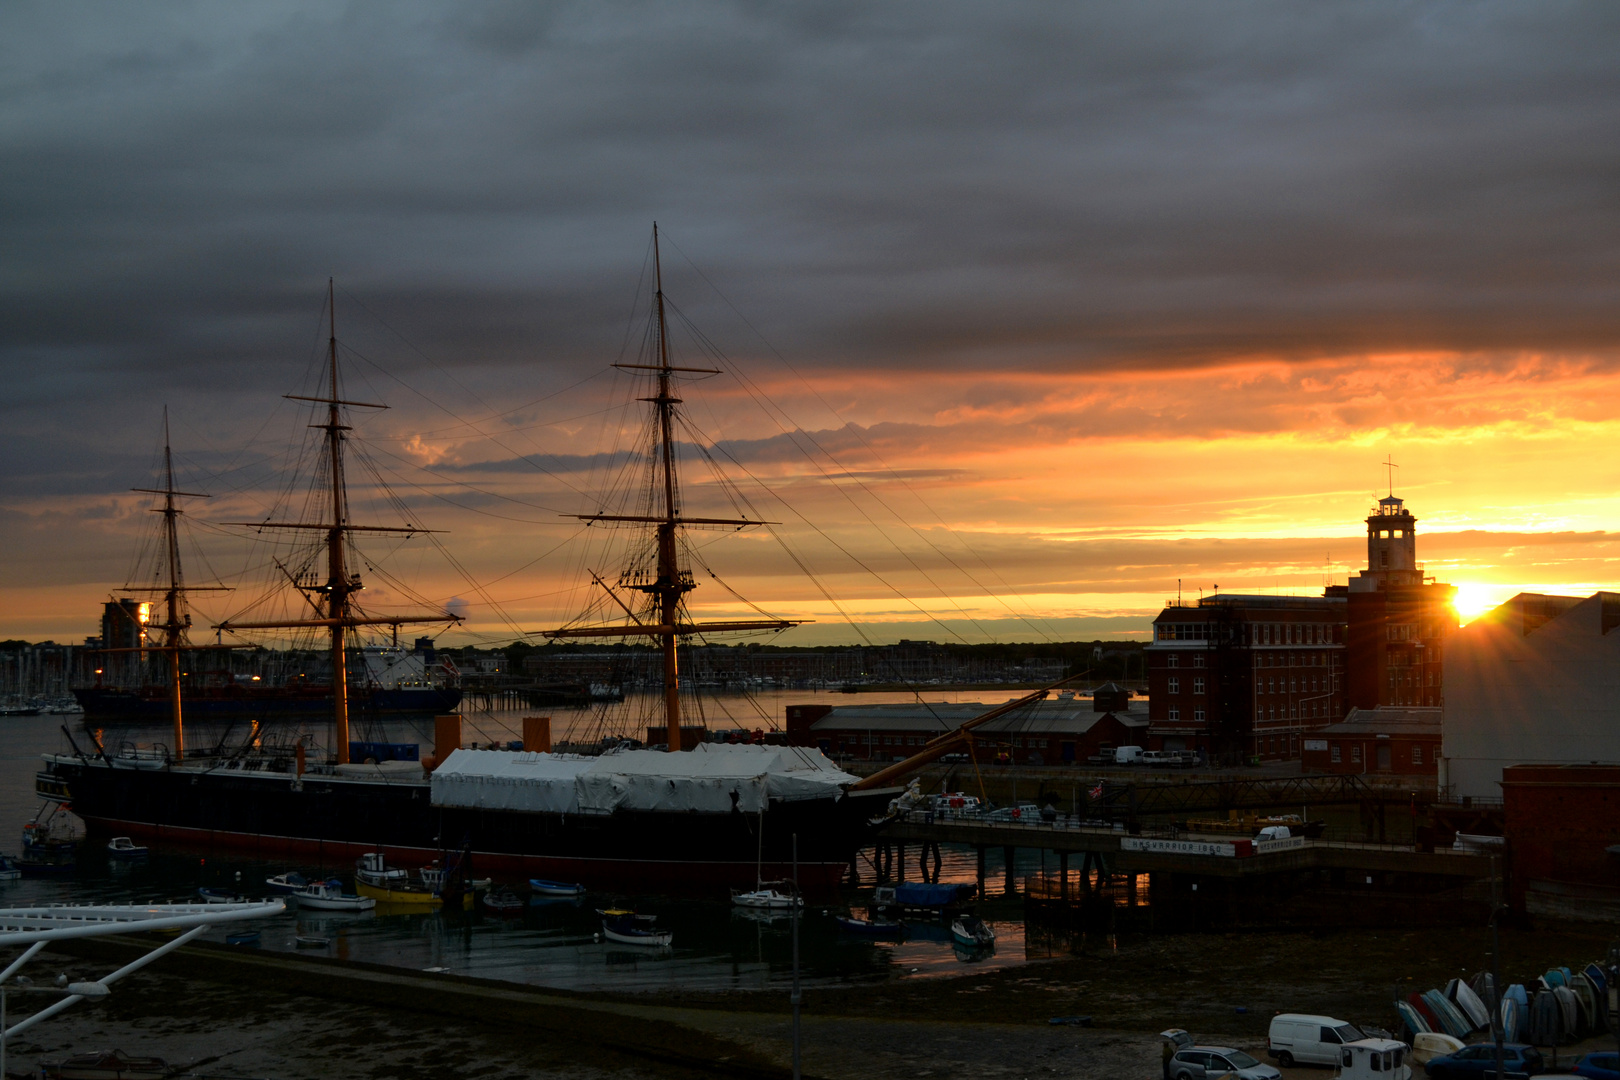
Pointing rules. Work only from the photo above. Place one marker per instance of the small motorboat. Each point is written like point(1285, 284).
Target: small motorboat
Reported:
point(972, 931)
point(9, 870)
point(762, 896)
point(542, 887)
point(220, 896)
point(290, 882)
point(372, 869)
point(248, 938)
point(329, 896)
point(122, 847)
point(503, 902)
point(106, 1065)
point(628, 928)
point(311, 941)
point(872, 928)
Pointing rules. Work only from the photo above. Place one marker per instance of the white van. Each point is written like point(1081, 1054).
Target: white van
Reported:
point(1128, 755)
point(1307, 1039)
point(1274, 832)
point(1157, 757)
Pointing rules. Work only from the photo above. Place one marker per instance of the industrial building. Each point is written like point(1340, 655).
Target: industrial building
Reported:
point(1562, 824)
point(1066, 730)
point(1536, 681)
point(1390, 740)
point(1240, 676)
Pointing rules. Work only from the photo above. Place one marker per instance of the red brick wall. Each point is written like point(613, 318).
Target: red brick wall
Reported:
point(1558, 821)
point(1367, 761)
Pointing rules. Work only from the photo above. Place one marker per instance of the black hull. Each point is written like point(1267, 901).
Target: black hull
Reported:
point(333, 819)
point(104, 705)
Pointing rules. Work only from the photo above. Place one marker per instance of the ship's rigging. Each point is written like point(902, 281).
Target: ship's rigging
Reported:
point(663, 580)
point(336, 610)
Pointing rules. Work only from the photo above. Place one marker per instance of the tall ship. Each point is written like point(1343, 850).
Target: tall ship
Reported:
point(689, 816)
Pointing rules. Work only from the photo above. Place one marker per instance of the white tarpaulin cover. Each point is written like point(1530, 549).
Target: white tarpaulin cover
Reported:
point(714, 778)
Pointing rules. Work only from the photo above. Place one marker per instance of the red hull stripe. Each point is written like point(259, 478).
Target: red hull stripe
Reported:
point(696, 878)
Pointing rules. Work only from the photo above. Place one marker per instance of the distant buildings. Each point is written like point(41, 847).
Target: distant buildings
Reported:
point(1066, 730)
point(1535, 681)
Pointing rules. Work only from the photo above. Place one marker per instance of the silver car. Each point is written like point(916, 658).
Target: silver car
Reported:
point(1214, 1062)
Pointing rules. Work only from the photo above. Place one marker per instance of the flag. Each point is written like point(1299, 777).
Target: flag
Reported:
point(1096, 792)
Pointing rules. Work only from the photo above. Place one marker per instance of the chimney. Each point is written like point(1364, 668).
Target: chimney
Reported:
point(537, 734)
point(446, 737)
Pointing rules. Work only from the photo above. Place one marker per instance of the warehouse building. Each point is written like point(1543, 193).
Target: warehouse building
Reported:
point(1390, 740)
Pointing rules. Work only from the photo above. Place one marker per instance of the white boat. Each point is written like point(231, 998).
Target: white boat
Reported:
point(219, 896)
point(122, 847)
point(766, 898)
point(628, 928)
point(9, 870)
point(290, 882)
point(329, 896)
point(972, 931)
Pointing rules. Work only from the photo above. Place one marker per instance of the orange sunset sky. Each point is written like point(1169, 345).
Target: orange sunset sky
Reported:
point(1067, 305)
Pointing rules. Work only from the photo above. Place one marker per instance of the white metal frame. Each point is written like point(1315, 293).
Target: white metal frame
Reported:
point(38, 926)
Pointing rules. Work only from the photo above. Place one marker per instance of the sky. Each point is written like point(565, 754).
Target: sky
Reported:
point(1028, 314)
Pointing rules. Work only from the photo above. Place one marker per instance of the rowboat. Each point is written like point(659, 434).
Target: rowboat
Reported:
point(122, 847)
point(311, 941)
point(542, 887)
point(628, 928)
point(972, 930)
point(249, 938)
point(872, 928)
point(329, 896)
point(218, 896)
point(503, 902)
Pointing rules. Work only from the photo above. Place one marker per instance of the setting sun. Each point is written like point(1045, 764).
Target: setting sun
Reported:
point(1473, 601)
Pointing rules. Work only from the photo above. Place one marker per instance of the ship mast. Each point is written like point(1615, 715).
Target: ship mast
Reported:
point(176, 619)
point(672, 583)
point(341, 585)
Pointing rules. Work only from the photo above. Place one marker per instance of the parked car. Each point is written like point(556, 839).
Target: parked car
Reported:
point(1212, 1062)
point(1480, 1058)
point(1308, 1039)
point(1603, 1065)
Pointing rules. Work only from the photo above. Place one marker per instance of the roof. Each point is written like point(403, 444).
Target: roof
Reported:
point(1388, 720)
point(1072, 716)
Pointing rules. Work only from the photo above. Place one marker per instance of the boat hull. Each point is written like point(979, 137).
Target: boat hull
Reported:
point(112, 706)
point(334, 820)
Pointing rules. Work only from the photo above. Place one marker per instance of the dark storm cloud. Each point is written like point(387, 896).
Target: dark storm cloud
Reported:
point(1000, 187)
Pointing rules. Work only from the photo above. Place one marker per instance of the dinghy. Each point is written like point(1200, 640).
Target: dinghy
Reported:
point(972, 931)
point(542, 887)
point(122, 847)
point(628, 928)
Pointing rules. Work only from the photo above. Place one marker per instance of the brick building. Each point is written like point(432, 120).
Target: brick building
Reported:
point(1390, 740)
point(1399, 619)
point(1066, 730)
point(1242, 677)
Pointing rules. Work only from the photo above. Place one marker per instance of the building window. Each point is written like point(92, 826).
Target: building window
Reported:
point(1173, 660)
point(1198, 685)
point(1198, 715)
point(1271, 686)
point(1417, 755)
point(1355, 752)
point(1334, 752)
point(1198, 659)
point(1175, 714)
point(1175, 685)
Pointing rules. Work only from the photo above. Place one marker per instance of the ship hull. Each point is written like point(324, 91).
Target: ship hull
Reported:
point(112, 706)
point(331, 820)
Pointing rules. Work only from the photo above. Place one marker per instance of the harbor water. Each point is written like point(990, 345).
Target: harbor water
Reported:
point(550, 943)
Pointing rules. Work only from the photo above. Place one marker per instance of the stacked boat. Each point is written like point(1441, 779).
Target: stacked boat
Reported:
point(1559, 1007)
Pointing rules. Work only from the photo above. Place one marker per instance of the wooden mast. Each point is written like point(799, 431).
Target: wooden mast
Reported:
point(670, 585)
point(340, 585)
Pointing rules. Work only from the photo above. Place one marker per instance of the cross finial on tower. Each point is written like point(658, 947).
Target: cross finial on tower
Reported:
point(1389, 468)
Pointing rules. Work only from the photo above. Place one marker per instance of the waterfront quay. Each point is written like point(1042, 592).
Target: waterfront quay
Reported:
point(1169, 878)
